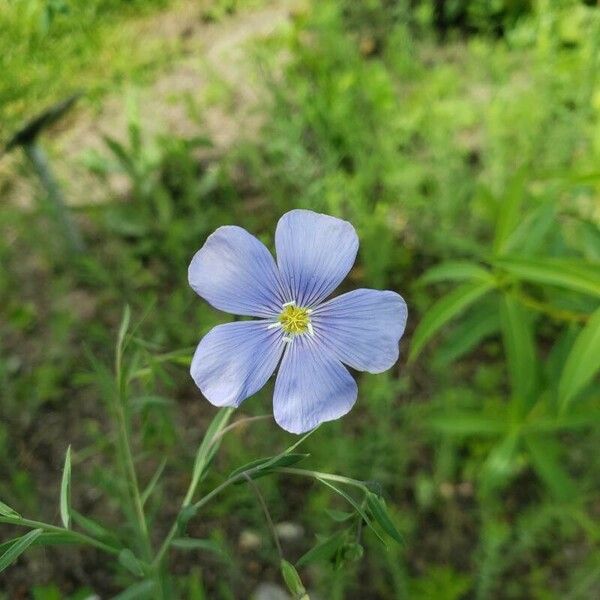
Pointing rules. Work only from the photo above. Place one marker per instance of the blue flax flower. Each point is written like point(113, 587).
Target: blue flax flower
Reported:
point(311, 336)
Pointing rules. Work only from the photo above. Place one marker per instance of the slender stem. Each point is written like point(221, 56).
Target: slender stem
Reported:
point(127, 464)
point(265, 508)
point(197, 506)
point(81, 537)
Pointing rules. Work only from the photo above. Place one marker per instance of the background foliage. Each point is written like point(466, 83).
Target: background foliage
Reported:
point(462, 139)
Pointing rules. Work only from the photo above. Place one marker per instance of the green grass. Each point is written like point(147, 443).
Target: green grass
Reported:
point(49, 48)
point(459, 162)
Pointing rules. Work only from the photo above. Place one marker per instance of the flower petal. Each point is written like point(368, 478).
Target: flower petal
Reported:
point(236, 273)
point(314, 253)
point(363, 328)
point(312, 387)
point(235, 360)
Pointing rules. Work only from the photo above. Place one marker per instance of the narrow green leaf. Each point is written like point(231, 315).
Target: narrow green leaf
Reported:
point(567, 422)
point(95, 529)
point(354, 504)
point(45, 539)
point(292, 580)
point(153, 482)
point(65, 491)
point(455, 271)
point(16, 549)
point(324, 550)
point(209, 445)
point(583, 362)
point(139, 591)
point(529, 236)
point(546, 460)
point(578, 276)
point(444, 310)
point(379, 511)
point(128, 560)
point(519, 346)
point(198, 544)
point(481, 322)
point(264, 466)
point(7, 511)
point(123, 328)
point(339, 515)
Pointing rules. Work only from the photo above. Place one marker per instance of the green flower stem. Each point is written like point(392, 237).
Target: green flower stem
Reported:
point(78, 537)
point(189, 496)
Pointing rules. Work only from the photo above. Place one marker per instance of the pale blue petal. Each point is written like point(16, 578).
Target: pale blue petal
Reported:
point(312, 387)
point(236, 273)
point(235, 360)
point(362, 328)
point(314, 253)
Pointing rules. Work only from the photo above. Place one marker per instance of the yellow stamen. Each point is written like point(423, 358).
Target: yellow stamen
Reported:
point(294, 319)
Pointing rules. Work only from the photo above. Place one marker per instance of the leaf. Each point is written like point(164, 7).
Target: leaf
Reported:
point(264, 466)
point(339, 515)
point(19, 546)
point(7, 511)
point(578, 276)
point(209, 445)
point(379, 511)
point(45, 539)
point(95, 529)
point(582, 363)
point(138, 591)
point(198, 544)
point(519, 346)
point(455, 271)
point(533, 229)
point(65, 492)
point(355, 504)
point(292, 580)
point(545, 458)
point(480, 323)
point(324, 550)
point(128, 560)
point(444, 310)
point(153, 482)
point(123, 328)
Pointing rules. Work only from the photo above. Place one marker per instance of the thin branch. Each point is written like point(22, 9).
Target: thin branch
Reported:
point(265, 508)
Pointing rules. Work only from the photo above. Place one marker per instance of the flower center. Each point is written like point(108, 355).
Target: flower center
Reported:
point(295, 319)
